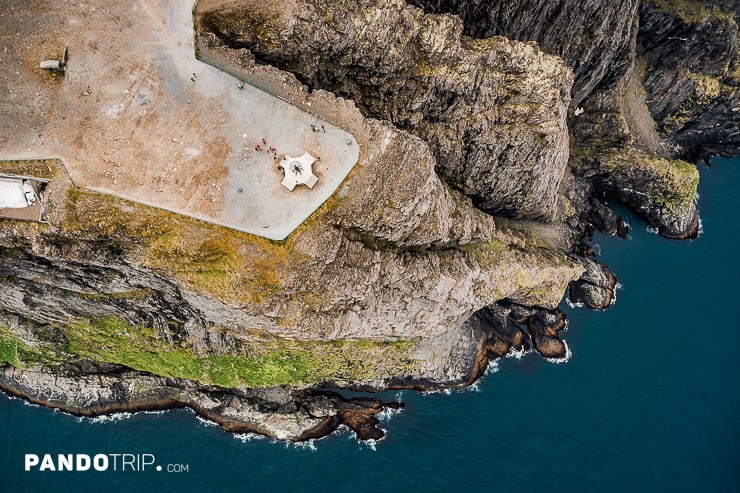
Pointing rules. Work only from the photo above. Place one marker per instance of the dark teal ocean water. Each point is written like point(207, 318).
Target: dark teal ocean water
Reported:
point(649, 401)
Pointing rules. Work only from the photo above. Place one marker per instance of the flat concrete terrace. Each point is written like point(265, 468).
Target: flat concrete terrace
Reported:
point(137, 116)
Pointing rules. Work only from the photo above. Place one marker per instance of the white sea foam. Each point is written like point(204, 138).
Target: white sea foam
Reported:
point(474, 387)
point(565, 327)
point(370, 444)
point(491, 368)
point(205, 422)
point(518, 353)
point(564, 359)
point(339, 430)
point(387, 413)
point(248, 437)
point(159, 411)
point(373, 444)
point(597, 249)
point(617, 287)
point(445, 391)
point(106, 418)
point(306, 445)
point(573, 305)
point(701, 229)
point(651, 229)
point(436, 391)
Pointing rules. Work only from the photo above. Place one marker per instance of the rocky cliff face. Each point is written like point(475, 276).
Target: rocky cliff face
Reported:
point(401, 279)
point(692, 72)
point(615, 148)
point(373, 292)
point(591, 36)
point(492, 110)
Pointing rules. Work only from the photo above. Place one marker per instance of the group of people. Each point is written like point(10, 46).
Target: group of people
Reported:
point(271, 149)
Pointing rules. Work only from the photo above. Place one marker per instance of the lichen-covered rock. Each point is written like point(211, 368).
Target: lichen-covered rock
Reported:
point(692, 51)
point(591, 36)
point(387, 290)
point(398, 280)
point(663, 191)
point(595, 288)
point(401, 201)
point(618, 152)
point(492, 111)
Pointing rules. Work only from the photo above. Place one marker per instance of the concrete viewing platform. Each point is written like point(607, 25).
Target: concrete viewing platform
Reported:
point(135, 115)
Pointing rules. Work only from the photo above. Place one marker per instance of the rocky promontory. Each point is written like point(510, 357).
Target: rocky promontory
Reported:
point(494, 136)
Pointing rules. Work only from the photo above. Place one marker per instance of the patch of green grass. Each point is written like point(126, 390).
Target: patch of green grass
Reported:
point(20, 355)
point(9, 351)
point(257, 364)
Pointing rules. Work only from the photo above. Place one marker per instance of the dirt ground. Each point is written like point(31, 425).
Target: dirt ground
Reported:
point(137, 116)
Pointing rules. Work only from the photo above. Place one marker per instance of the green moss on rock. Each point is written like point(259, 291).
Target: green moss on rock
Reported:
point(255, 364)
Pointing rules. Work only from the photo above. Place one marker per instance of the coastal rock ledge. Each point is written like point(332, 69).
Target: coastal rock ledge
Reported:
point(96, 389)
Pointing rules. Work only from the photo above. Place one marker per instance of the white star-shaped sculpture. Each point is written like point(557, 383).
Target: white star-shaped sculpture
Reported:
point(298, 171)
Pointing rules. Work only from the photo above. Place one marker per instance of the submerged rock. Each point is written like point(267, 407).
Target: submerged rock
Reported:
point(623, 229)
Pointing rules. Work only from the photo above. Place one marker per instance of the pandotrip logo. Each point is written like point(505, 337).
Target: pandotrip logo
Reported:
point(98, 463)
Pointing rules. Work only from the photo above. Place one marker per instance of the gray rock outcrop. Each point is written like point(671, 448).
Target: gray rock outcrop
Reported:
point(591, 36)
point(596, 286)
point(693, 73)
point(492, 110)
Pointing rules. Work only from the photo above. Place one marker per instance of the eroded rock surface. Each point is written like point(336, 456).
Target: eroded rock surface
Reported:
point(95, 389)
point(591, 36)
point(595, 288)
point(693, 72)
point(492, 110)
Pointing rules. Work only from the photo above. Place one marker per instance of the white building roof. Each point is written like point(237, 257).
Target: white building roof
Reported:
point(16, 193)
point(298, 171)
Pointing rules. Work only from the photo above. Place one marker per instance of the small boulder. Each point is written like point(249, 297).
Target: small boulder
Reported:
point(623, 229)
point(549, 347)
